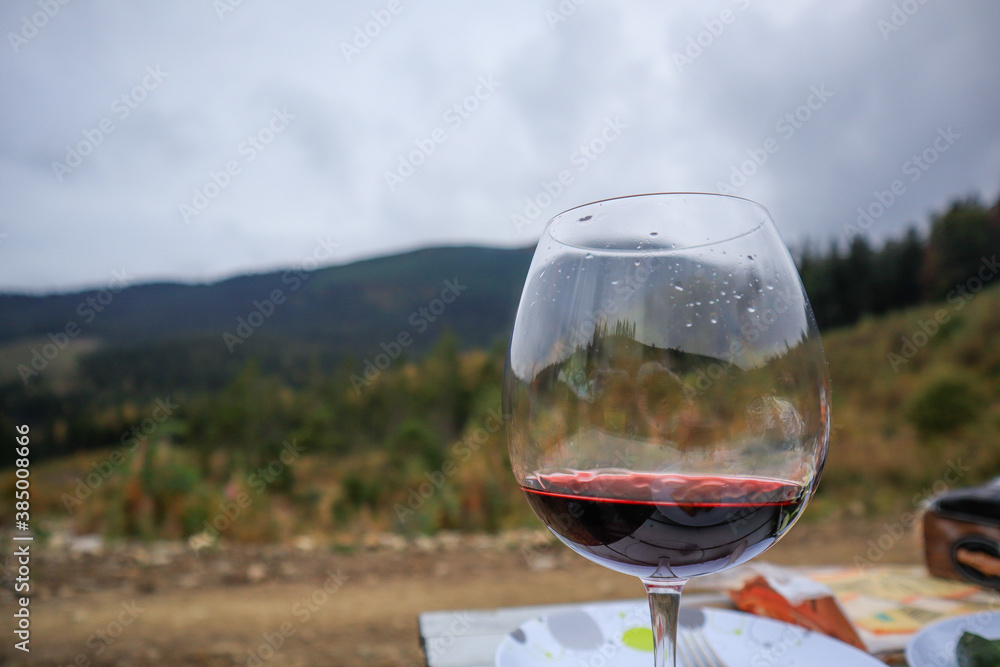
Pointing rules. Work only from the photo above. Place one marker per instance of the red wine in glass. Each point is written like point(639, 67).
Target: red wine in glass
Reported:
point(665, 395)
point(654, 524)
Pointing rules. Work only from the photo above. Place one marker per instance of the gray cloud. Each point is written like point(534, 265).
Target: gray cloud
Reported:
point(686, 124)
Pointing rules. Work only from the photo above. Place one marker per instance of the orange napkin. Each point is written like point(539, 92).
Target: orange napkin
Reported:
point(787, 596)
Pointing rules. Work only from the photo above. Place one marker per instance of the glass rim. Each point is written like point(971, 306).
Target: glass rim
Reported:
point(765, 218)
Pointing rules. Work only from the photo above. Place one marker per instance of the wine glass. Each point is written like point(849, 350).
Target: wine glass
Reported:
point(666, 393)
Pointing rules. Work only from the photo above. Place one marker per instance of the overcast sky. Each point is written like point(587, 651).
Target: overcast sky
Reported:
point(197, 140)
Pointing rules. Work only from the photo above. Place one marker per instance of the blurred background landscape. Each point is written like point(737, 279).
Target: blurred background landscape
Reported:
point(259, 264)
point(360, 402)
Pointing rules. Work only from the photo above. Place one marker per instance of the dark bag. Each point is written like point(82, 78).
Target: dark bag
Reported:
point(962, 535)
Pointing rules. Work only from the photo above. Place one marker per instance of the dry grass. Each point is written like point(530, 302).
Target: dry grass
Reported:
point(880, 463)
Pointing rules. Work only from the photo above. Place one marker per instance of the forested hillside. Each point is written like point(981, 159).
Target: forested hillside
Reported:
point(158, 424)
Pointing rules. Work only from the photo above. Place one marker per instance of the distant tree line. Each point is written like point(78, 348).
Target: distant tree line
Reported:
point(847, 284)
point(274, 385)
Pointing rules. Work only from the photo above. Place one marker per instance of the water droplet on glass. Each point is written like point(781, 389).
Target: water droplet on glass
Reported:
point(589, 256)
point(678, 288)
point(751, 309)
point(689, 325)
point(738, 296)
point(654, 233)
point(615, 282)
point(770, 287)
point(637, 262)
point(714, 321)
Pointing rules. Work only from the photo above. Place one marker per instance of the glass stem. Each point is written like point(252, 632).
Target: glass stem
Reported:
point(664, 603)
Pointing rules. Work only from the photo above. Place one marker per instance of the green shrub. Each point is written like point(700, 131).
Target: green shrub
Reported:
point(944, 403)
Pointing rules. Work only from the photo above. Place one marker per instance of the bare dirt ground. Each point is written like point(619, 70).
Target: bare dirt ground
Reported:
point(164, 604)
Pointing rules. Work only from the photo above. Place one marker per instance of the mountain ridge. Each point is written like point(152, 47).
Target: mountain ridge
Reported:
point(341, 301)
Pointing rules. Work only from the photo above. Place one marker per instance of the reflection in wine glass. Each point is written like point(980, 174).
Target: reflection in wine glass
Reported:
point(665, 389)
